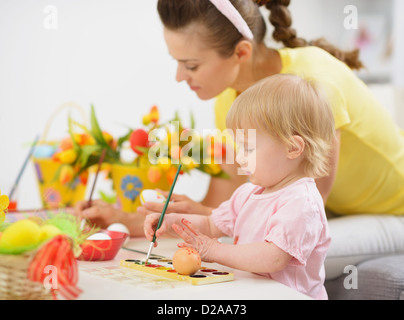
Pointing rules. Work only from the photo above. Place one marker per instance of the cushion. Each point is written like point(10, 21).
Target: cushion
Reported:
point(361, 237)
point(377, 279)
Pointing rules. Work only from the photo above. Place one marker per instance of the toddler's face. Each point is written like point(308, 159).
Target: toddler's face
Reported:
point(264, 159)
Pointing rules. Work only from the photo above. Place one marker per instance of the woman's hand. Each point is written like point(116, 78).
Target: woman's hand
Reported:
point(100, 213)
point(103, 214)
point(195, 239)
point(178, 203)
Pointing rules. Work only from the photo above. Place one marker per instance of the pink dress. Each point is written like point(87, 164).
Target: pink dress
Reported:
point(293, 219)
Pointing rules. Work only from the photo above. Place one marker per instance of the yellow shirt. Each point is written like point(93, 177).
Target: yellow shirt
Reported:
point(370, 176)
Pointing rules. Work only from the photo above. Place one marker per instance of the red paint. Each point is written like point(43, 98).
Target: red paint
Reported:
point(208, 270)
point(153, 265)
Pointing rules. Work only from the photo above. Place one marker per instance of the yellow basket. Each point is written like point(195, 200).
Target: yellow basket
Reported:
point(53, 193)
point(129, 181)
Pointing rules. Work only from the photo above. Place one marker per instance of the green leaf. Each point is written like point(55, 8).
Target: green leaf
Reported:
point(86, 152)
point(192, 120)
point(96, 130)
point(121, 140)
point(71, 132)
point(107, 198)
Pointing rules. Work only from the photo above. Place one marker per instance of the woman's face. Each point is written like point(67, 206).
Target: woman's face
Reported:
point(204, 70)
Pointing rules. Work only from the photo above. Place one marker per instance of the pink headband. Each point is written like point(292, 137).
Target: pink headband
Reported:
point(231, 13)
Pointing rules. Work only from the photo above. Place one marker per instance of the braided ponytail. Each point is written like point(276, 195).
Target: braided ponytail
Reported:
point(281, 19)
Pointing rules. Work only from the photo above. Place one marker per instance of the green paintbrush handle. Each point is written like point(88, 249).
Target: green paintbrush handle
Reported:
point(166, 203)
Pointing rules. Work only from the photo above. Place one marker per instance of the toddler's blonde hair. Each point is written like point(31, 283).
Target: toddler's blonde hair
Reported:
point(286, 105)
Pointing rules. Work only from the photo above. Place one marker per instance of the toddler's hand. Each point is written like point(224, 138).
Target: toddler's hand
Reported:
point(150, 224)
point(194, 239)
point(151, 221)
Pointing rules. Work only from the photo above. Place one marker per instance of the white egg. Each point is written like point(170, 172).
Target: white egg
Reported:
point(149, 195)
point(99, 236)
point(120, 228)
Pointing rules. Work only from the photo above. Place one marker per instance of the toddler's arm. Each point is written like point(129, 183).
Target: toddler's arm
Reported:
point(261, 257)
point(204, 223)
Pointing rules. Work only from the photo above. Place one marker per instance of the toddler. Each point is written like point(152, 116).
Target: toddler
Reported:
point(277, 219)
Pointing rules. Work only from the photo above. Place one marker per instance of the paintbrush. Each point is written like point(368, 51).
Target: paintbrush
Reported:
point(162, 215)
point(100, 161)
point(152, 256)
point(31, 150)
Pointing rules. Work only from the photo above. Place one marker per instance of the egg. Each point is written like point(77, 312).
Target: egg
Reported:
point(48, 231)
point(186, 261)
point(149, 195)
point(20, 234)
point(120, 228)
point(44, 151)
point(99, 236)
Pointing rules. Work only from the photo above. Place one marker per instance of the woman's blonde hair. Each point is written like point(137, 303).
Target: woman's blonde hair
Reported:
point(286, 105)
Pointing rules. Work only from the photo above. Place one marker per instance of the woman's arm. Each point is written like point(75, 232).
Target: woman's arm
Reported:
point(325, 184)
point(103, 214)
point(221, 189)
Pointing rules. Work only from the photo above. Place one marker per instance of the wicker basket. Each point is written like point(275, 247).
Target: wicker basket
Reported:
point(14, 282)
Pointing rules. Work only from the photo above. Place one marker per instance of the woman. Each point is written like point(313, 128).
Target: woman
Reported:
point(220, 50)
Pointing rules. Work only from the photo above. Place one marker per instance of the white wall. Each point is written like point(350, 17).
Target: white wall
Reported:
point(110, 53)
point(398, 73)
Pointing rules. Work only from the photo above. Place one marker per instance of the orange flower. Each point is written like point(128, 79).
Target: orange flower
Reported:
point(66, 174)
point(154, 174)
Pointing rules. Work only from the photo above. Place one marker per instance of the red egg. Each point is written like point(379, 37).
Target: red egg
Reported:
point(186, 261)
point(139, 138)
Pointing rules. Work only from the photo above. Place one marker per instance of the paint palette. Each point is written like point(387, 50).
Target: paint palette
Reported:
point(163, 268)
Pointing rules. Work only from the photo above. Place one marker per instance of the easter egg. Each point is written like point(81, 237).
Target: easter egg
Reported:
point(44, 151)
point(149, 195)
point(120, 228)
point(19, 234)
point(186, 261)
point(48, 231)
point(139, 138)
point(99, 236)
